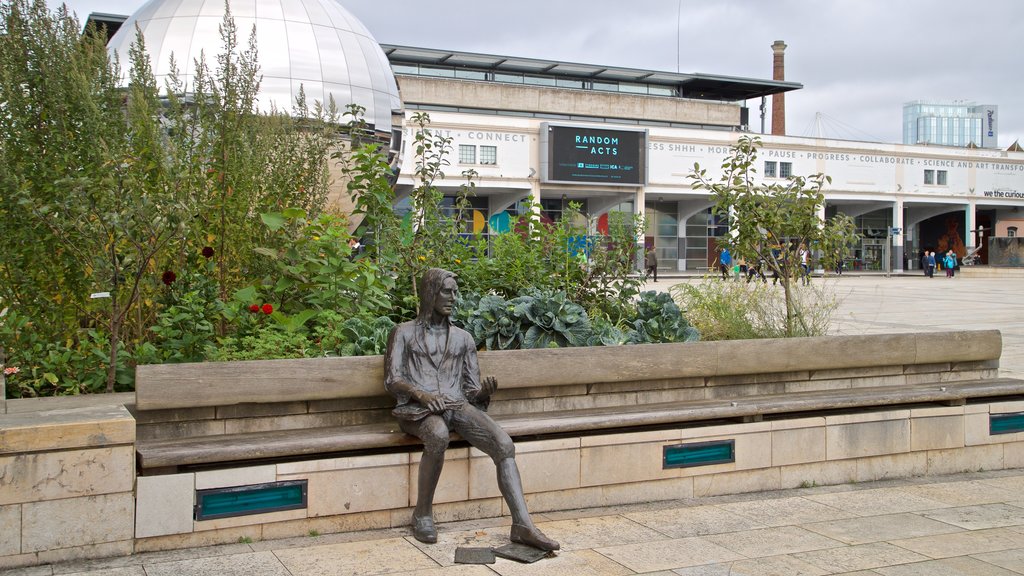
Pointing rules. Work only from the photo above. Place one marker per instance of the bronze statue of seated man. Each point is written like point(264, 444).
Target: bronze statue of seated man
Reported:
point(431, 369)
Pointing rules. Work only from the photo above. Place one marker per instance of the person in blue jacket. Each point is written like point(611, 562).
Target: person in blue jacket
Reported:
point(725, 263)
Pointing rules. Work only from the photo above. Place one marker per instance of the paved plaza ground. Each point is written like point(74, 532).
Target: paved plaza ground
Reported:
point(970, 524)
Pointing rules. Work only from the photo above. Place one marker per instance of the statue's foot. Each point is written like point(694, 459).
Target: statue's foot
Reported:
point(531, 536)
point(423, 529)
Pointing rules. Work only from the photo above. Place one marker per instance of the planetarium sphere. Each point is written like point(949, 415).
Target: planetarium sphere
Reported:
point(315, 44)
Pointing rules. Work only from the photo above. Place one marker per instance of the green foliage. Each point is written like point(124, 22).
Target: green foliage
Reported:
point(660, 320)
point(772, 223)
point(313, 269)
point(354, 336)
point(738, 310)
point(548, 319)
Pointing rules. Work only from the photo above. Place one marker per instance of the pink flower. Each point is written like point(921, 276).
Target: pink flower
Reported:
point(11, 370)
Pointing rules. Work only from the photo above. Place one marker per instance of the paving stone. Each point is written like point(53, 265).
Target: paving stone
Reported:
point(695, 521)
point(355, 558)
point(784, 565)
point(572, 563)
point(961, 566)
point(869, 502)
point(1009, 559)
point(786, 511)
point(668, 554)
point(860, 557)
point(964, 543)
point(867, 529)
point(963, 493)
point(584, 533)
point(773, 541)
point(979, 517)
point(252, 564)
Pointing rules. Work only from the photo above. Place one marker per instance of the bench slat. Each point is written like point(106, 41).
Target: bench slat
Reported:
point(169, 386)
point(282, 443)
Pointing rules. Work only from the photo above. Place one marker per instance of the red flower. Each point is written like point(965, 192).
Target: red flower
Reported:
point(168, 277)
point(207, 252)
point(254, 308)
point(267, 308)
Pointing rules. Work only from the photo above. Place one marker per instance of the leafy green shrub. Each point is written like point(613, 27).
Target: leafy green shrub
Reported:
point(660, 320)
point(352, 336)
point(265, 343)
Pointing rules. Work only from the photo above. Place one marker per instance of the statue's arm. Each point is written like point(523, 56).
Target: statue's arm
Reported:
point(477, 390)
point(395, 380)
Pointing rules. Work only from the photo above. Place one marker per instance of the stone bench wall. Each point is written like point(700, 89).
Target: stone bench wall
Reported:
point(62, 468)
point(378, 491)
point(67, 485)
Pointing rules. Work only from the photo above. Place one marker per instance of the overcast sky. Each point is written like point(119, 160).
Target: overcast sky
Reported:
point(858, 60)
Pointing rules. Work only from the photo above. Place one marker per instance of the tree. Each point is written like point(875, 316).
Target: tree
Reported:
point(772, 223)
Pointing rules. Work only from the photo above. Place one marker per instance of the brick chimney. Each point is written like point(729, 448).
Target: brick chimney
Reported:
point(778, 100)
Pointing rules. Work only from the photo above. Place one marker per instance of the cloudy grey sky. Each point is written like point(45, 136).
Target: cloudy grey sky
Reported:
point(858, 60)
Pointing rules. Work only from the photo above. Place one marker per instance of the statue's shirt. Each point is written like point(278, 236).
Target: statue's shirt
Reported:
point(451, 371)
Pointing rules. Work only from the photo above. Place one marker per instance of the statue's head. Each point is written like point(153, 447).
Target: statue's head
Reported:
point(437, 293)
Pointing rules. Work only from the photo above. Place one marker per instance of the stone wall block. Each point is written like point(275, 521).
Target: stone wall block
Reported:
point(74, 522)
point(867, 439)
point(937, 433)
point(163, 505)
point(67, 474)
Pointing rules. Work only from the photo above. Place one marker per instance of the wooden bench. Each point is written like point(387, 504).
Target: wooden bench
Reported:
point(195, 416)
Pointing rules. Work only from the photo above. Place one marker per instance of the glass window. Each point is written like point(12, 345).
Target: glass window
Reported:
point(606, 86)
point(405, 68)
point(769, 169)
point(512, 78)
point(929, 176)
point(467, 154)
point(632, 88)
point(488, 154)
point(1011, 231)
point(471, 74)
point(785, 169)
point(662, 91)
point(566, 83)
point(940, 177)
point(539, 80)
point(441, 72)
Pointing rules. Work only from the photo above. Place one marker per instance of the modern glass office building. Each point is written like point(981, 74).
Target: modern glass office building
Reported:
point(956, 123)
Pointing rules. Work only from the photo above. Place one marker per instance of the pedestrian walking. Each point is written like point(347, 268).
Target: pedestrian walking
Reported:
point(949, 263)
point(931, 264)
point(651, 263)
point(725, 263)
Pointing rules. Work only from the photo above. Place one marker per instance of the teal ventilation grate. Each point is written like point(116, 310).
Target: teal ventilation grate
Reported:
point(1006, 423)
point(252, 499)
point(699, 454)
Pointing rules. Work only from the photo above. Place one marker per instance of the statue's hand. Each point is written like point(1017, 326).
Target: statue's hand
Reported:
point(487, 387)
point(433, 403)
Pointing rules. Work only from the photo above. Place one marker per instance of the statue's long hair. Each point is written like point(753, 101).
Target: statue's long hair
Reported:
point(430, 286)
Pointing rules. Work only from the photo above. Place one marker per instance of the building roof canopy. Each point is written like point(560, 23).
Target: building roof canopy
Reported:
point(703, 86)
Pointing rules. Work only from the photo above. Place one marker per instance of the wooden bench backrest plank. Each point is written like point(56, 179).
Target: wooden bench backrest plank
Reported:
point(167, 386)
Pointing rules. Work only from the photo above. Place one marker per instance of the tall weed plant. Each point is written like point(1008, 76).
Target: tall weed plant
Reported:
point(727, 310)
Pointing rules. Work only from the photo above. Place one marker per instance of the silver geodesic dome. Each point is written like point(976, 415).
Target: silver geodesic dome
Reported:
point(317, 44)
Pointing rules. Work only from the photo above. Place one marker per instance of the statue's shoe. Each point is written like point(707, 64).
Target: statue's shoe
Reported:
point(423, 529)
point(531, 536)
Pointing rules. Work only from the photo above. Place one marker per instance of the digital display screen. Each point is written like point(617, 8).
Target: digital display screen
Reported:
point(595, 155)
